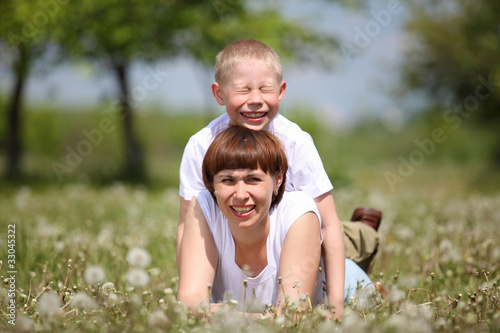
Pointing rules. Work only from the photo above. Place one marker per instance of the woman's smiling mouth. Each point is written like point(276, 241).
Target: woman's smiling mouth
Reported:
point(243, 211)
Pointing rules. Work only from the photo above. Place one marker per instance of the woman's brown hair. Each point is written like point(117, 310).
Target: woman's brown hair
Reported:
point(241, 148)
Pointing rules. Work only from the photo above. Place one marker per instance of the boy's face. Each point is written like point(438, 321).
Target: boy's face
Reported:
point(251, 94)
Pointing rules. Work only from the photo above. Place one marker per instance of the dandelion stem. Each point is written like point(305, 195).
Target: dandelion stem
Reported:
point(433, 277)
point(43, 290)
point(29, 292)
point(209, 296)
point(66, 281)
point(245, 284)
point(318, 282)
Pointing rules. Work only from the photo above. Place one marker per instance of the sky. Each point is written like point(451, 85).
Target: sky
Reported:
point(357, 87)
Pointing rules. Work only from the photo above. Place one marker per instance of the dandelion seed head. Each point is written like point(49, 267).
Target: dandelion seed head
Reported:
point(25, 324)
point(136, 301)
point(159, 319)
point(280, 320)
point(108, 287)
point(82, 301)
point(111, 299)
point(353, 323)
point(94, 274)
point(203, 307)
point(138, 257)
point(137, 277)
point(398, 322)
point(326, 326)
point(155, 271)
point(49, 304)
point(395, 295)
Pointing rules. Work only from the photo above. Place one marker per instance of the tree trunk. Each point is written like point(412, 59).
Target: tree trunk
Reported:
point(14, 144)
point(134, 161)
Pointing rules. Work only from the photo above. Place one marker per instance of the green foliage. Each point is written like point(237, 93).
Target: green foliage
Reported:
point(456, 50)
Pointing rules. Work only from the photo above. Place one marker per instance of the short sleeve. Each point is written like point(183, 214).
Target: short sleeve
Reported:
point(291, 208)
point(190, 177)
point(307, 170)
point(209, 208)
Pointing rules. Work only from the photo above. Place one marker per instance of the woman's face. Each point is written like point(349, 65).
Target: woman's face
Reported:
point(244, 195)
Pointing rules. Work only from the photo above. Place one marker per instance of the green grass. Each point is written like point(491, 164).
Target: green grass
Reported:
point(438, 261)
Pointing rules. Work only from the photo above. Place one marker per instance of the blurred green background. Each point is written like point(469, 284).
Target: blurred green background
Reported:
point(447, 81)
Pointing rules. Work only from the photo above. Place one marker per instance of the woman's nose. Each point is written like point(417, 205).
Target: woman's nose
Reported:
point(240, 191)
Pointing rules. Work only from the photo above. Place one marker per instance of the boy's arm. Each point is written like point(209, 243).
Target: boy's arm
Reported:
point(334, 256)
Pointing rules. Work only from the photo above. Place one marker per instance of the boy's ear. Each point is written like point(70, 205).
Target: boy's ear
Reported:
point(218, 93)
point(282, 91)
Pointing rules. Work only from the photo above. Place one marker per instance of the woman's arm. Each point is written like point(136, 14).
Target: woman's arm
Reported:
point(299, 260)
point(198, 256)
point(184, 204)
point(334, 256)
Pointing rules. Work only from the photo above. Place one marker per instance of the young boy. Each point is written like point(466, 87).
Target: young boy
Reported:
point(248, 82)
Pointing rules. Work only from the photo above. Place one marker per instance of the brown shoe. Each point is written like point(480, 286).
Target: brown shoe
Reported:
point(369, 216)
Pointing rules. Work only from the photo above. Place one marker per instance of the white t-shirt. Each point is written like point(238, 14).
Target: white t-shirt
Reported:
point(305, 168)
point(263, 289)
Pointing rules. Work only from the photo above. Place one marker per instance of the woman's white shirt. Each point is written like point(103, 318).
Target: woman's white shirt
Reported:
point(229, 279)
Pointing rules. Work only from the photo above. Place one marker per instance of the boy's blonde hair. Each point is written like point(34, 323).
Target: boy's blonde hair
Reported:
point(245, 51)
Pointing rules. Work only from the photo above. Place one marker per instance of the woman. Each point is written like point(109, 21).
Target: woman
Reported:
point(244, 236)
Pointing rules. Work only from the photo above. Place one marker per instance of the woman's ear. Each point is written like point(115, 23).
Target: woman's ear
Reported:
point(278, 180)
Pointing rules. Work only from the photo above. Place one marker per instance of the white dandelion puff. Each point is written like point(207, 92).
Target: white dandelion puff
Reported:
point(82, 301)
point(111, 300)
point(94, 274)
point(395, 295)
point(138, 257)
point(159, 319)
point(49, 304)
point(108, 287)
point(137, 277)
point(25, 324)
point(135, 301)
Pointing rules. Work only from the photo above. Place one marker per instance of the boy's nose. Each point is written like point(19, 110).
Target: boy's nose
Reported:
point(255, 97)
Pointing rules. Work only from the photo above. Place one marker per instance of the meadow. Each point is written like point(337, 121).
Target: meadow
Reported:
point(92, 252)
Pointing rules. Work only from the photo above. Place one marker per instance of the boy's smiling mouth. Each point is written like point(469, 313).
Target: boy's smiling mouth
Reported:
point(253, 115)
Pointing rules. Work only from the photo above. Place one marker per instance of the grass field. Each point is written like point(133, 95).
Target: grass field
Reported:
point(438, 262)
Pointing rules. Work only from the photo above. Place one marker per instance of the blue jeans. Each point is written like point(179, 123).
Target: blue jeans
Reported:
point(353, 275)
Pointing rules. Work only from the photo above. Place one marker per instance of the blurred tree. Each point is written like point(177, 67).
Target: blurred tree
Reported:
point(23, 37)
point(115, 33)
point(455, 58)
point(118, 32)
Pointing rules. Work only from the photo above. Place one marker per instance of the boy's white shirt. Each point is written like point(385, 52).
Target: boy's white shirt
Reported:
point(305, 168)
point(263, 289)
